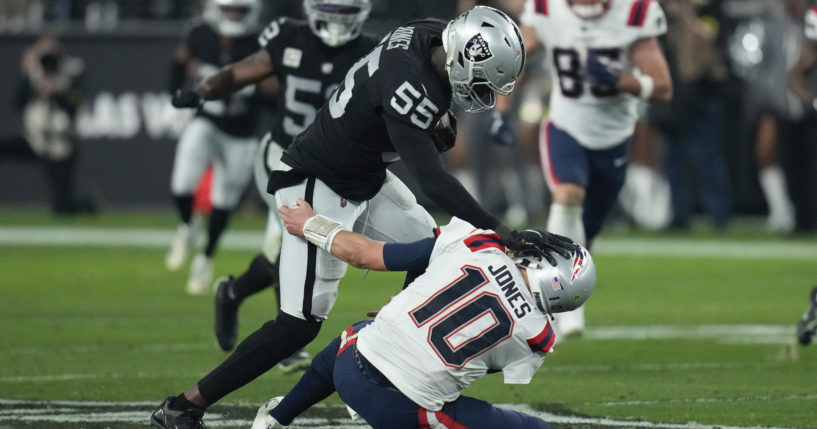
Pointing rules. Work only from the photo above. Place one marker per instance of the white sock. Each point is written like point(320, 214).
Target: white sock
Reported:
point(773, 183)
point(567, 221)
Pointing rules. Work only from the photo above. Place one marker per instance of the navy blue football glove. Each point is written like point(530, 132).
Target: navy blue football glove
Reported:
point(183, 98)
point(601, 73)
point(501, 130)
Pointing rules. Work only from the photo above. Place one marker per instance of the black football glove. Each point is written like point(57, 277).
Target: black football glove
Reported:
point(501, 130)
point(541, 243)
point(445, 135)
point(184, 98)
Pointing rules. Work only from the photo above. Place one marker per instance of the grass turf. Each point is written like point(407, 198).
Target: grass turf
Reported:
point(113, 324)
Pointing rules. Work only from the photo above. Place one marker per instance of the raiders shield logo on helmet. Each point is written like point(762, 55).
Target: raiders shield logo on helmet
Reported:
point(477, 49)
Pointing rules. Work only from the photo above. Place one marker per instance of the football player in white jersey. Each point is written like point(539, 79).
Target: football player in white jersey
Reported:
point(472, 312)
point(604, 60)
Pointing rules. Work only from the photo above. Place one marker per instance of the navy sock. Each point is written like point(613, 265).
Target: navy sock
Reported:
point(315, 385)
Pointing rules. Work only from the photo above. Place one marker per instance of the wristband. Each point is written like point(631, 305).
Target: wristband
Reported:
point(647, 85)
point(321, 231)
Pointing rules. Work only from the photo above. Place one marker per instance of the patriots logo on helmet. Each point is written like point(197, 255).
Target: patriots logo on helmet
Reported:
point(477, 49)
point(578, 262)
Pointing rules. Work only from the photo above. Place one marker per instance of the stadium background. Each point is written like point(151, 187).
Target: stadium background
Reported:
point(126, 125)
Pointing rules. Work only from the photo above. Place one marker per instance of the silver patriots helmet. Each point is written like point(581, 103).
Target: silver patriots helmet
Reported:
point(484, 56)
point(564, 287)
point(337, 22)
point(234, 18)
point(589, 9)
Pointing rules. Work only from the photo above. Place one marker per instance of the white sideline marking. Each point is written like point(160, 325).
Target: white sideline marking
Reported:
point(76, 412)
point(246, 240)
point(730, 334)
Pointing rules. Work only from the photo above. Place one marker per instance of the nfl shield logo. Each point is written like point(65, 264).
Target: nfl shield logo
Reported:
point(326, 68)
point(555, 283)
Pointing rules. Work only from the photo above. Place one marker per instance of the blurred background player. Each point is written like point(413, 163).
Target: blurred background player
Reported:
point(691, 124)
point(604, 58)
point(474, 311)
point(221, 135)
point(799, 138)
point(387, 107)
point(309, 59)
point(786, 138)
point(49, 95)
point(799, 83)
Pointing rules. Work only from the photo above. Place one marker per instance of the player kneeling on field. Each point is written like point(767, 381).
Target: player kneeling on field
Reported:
point(474, 311)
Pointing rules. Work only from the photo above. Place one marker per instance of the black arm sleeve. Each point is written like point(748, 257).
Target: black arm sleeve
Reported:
point(417, 150)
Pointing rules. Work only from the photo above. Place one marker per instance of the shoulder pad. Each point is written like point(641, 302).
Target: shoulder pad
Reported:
point(647, 17)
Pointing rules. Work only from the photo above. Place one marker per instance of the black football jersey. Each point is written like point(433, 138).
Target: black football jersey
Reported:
point(308, 71)
point(237, 114)
point(348, 146)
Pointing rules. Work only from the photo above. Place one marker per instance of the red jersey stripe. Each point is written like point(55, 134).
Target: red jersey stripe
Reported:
point(422, 418)
point(638, 13)
point(541, 6)
point(544, 341)
point(484, 241)
point(447, 421)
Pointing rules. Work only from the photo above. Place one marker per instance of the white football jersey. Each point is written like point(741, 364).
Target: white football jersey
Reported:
point(469, 313)
point(811, 24)
point(598, 117)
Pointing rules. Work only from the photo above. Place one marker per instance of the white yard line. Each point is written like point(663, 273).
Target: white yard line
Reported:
point(244, 240)
point(78, 412)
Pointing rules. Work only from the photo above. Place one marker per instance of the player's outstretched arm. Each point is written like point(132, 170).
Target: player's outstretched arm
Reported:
point(235, 76)
point(358, 250)
point(654, 81)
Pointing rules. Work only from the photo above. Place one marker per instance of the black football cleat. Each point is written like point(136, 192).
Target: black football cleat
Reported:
point(807, 326)
point(226, 325)
point(166, 418)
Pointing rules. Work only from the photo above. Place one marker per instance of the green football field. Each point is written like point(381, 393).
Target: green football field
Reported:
point(684, 331)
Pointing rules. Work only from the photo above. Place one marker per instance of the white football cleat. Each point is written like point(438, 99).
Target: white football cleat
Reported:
point(201, 275)
point(263, 420)
point(180, 247)
point(352, 413)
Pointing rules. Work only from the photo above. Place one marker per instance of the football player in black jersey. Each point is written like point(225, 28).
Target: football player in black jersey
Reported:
point(386, 108)
point(220, 135)
point(309, 59)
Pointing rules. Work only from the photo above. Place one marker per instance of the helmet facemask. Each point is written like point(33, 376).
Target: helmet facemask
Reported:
point(484, 56)
point(337, 22)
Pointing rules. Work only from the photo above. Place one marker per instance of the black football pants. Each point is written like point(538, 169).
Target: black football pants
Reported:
point(274, 341)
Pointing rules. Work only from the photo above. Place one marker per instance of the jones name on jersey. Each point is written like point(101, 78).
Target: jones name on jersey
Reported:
point(480, 316)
